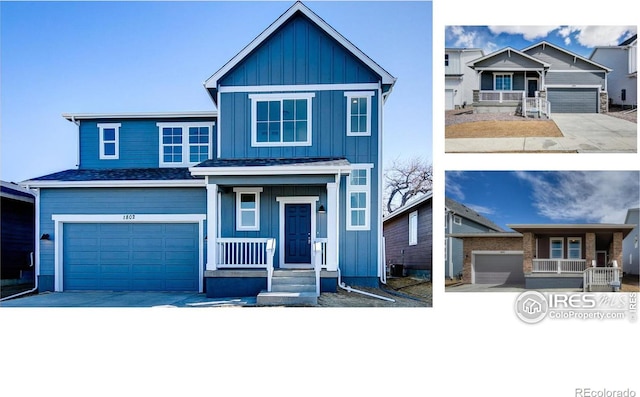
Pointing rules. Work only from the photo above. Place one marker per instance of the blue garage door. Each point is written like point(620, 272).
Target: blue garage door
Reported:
point(131, 256)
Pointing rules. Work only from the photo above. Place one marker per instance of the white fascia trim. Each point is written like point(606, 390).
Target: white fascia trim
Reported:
point(129, 218)
point(270, 170)
point(498, 69)
point(101, 128)
point(147, 115)
point(521, 53)
point(573, 86)
point(106, 184)
point(574, 71)
point(212, 82)
point(359, 94)
point(300, 87)
point(546, 43)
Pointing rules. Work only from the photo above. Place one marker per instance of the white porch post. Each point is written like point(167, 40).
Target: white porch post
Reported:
point(212, 225)
point(332, 226)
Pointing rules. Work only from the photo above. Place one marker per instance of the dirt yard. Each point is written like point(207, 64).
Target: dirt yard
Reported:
point(630, 283)
point(406, 291)
point(464, 124)
point(624, 114)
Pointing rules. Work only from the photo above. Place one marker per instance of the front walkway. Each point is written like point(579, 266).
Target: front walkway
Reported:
point(583, 133)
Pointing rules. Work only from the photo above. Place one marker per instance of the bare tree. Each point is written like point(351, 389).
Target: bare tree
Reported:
point(405, 180)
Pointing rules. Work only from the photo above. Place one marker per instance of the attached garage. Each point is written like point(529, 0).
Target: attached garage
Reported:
point(573, 100)
point(131, 257)
point(497, 268)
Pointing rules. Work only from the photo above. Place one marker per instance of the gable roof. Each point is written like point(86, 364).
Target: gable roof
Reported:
point(132, 177)
point(142, 115)
point(12, 191)
point(510, 49)
point(212, 82)
point(573, 54)
point(629, 41)
point(408, 206)
point(462, 210)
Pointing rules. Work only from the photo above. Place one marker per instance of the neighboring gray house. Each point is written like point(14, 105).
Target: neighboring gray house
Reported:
point(459, 80)
point(622, 83)
point(630, 251)
point(461, 219)
point(541, 78)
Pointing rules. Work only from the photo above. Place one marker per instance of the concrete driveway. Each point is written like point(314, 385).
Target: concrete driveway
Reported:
point(583, 133)
point(124, 299)
point(502, 288)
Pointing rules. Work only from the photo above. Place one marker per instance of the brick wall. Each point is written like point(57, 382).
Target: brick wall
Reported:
point(471, 244)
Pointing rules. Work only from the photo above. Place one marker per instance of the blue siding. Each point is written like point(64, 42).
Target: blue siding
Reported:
point(112, 201)
point(329, 135)
point(138, 145)
point(299, 53)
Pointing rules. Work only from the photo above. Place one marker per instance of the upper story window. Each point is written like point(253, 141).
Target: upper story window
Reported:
point(359, 113)
point(446, 60)
point(359, 197)
point(247, 208)
point(503, 81)
point(109, 141)
point(413, 228)
point(184, 144)
point(281, 119)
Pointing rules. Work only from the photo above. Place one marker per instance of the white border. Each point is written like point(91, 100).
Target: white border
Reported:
point(185, 142)
point(239, 191)
point(311, 200)
point(61, 219)
point(101, 128)
point(255, 98)
point(359, 94)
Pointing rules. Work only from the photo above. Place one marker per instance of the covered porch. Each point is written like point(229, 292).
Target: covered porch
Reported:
point(271, 224)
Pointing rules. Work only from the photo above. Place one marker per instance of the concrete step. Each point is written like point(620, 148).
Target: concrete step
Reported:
point(287, 299)
point(293, 273)
point(293, 287)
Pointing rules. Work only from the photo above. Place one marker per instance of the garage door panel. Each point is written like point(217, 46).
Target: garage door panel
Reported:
point(140, 257)
point(498, 269)
point(573, 100)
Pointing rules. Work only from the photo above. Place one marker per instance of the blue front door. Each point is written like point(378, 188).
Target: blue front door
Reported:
point(297, 229)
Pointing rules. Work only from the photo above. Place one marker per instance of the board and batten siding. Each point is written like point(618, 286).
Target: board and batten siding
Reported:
point(299, 53)
point(415, 258)
point(573, 78)
point(139, 142)
point(101, 201)
point(508, 60)
point(559, 60)
point(328, 132)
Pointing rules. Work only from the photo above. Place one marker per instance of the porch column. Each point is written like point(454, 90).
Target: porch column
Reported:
point(528, 251)
point(212, 225)
point(332, 226)
point(616, 248)
point(590, 249)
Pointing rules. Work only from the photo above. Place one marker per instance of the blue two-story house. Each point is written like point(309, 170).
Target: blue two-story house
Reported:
point(286, 174)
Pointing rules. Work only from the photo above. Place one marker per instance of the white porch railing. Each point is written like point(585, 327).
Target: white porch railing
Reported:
point(501, 96)
point(319, 259)
point(538, 106)
point(601, 277)
point(246, 253)
point(559, 265)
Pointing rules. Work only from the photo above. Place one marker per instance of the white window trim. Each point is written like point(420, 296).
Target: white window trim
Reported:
point(457, 220)
point(101, 128)
point(359, 94)
point(413, 228)
point(551, 241)
point(185, 142)
point(239, 191)
point(495, 74)
point(360, 189)
point(569, 247)
point(255, 98)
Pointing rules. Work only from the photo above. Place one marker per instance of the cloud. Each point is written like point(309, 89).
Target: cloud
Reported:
point(592, 36)
point(481, 209)
point(590, 196)
point(528, 32)
point(453, 182)
point(463, 37)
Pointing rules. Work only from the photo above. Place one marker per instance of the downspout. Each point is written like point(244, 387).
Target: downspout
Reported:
point(77, 123)
point(35, 260)
point(349, 289)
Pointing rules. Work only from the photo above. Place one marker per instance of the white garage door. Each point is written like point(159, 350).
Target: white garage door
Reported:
point(448, 99)
point(498, 269)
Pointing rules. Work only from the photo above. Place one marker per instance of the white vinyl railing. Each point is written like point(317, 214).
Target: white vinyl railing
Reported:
point(559, 265)
point(247, 253)
point(538, 106)
point(501, 96)
point(601, 277)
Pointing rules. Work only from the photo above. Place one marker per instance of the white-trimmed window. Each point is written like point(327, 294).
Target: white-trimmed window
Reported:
point(247, 208)
point(446, 60)
point(359, 197)
point(503, 81)
point(184, 144)
point(556, 248)
point(413, 228)
point(109, 141)
point(281, 119)
point(457, 220)
point(574, 248)
point(359, 113)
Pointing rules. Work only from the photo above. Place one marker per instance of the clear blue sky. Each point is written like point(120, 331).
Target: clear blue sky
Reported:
point(102, 57)
point(578, 39)
point(546, 196)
